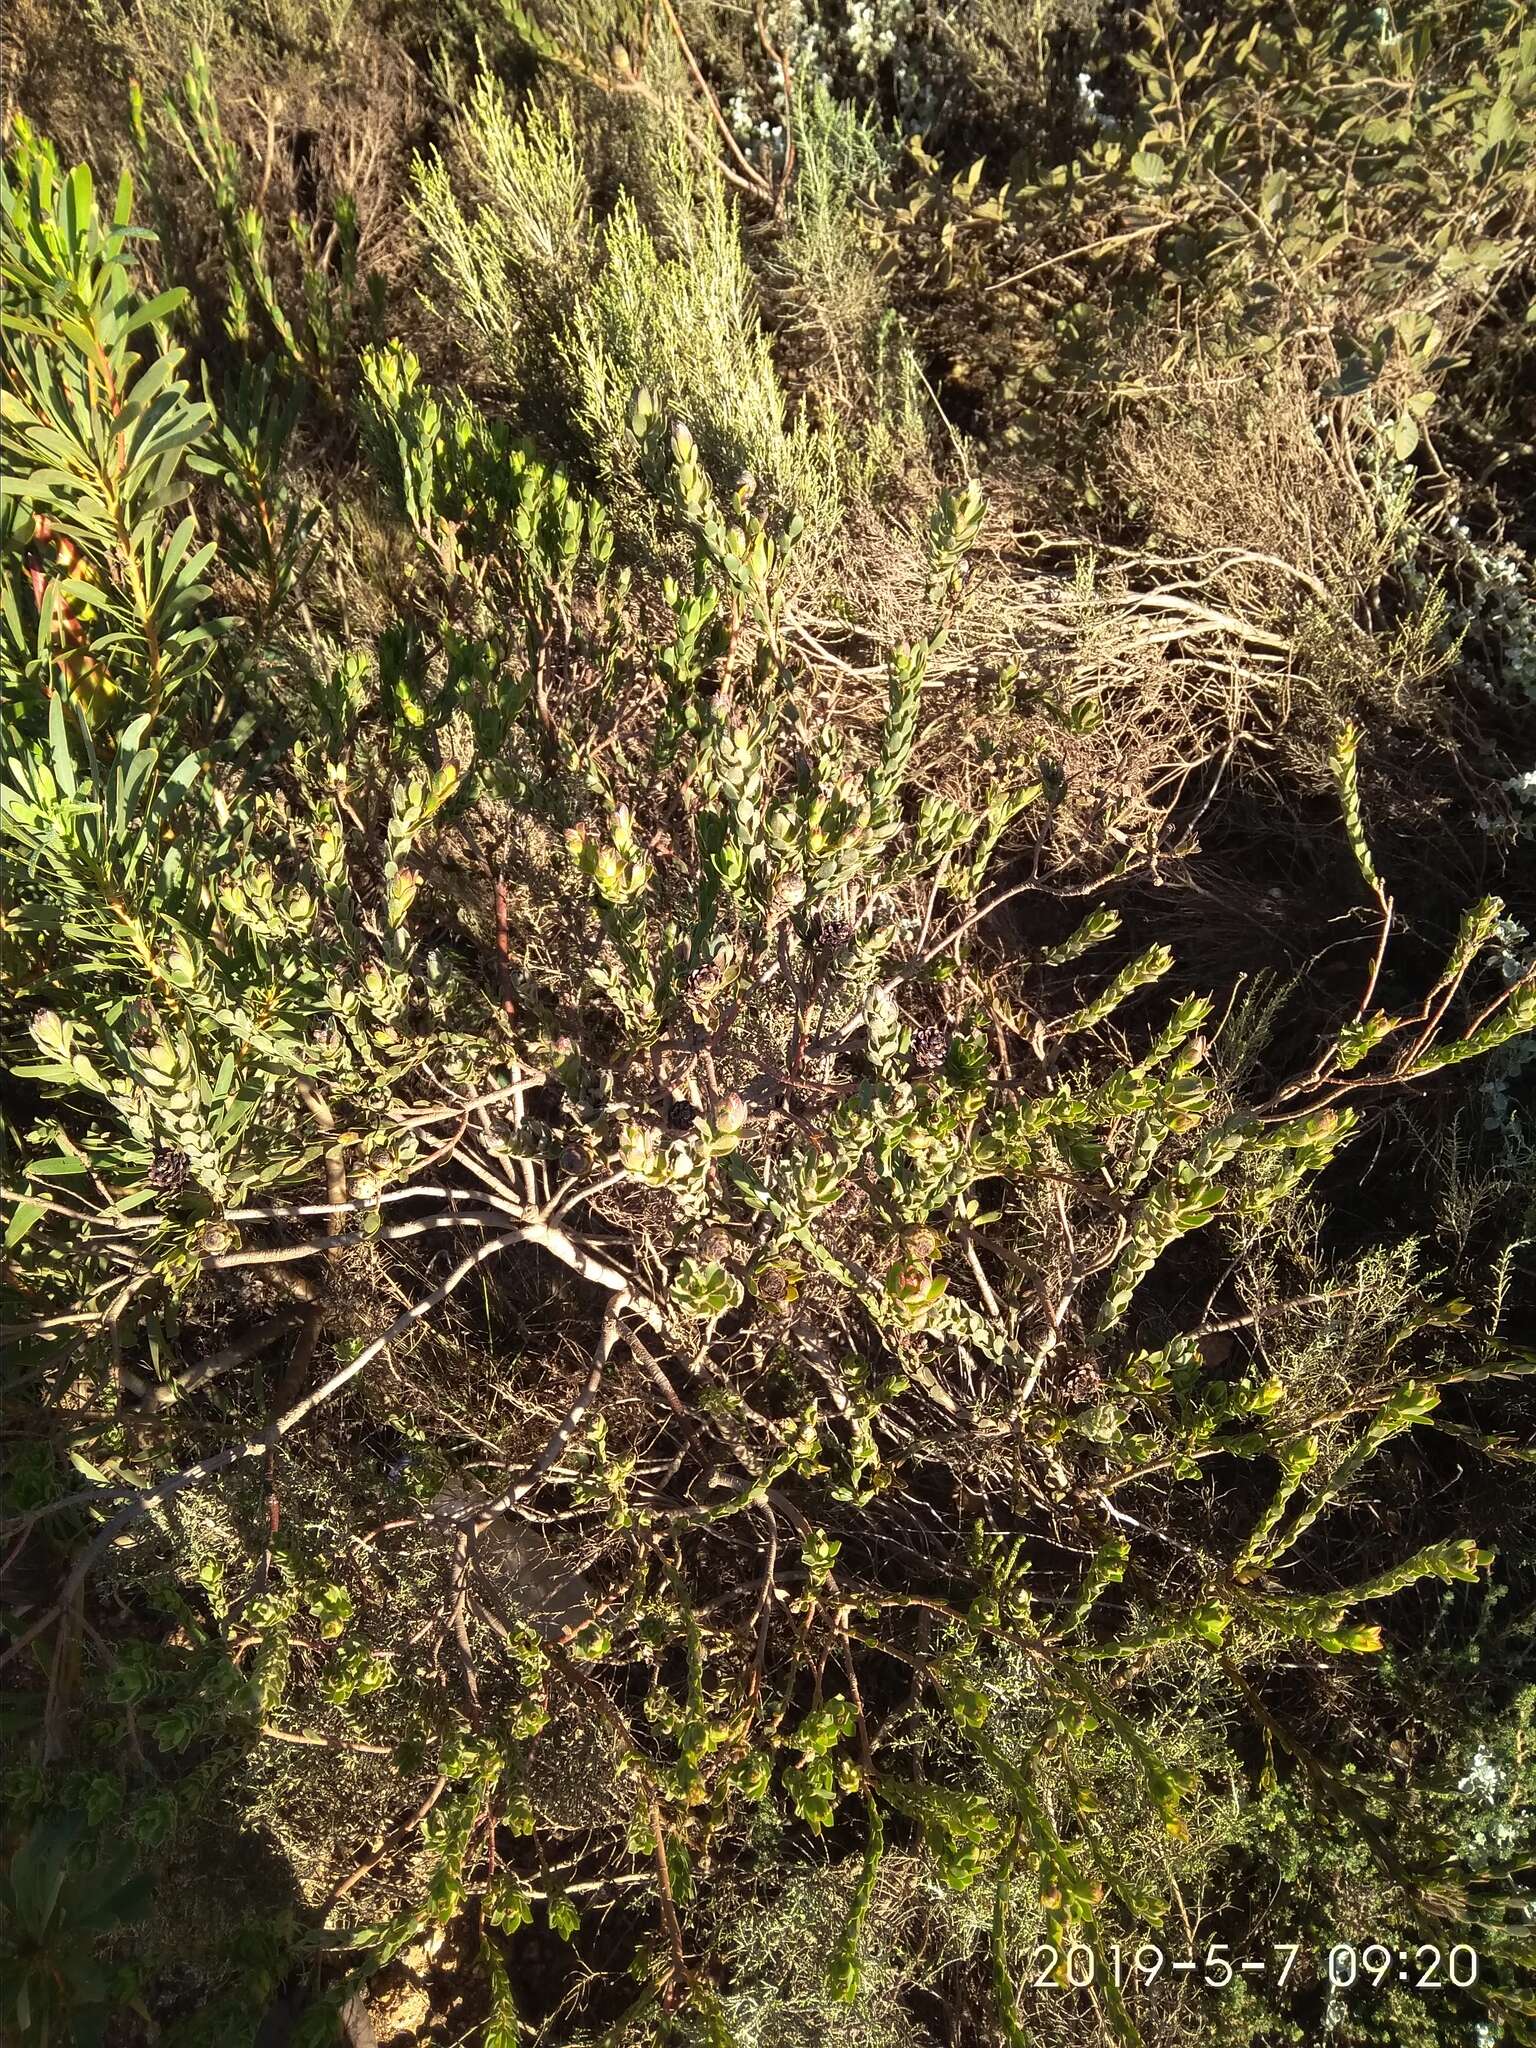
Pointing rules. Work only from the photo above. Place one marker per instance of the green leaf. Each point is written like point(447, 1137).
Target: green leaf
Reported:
point(119, 1897)
point(1355, 375)
point(87, 1470)
point(38, 1870)
point(1502, 124)
point(157, 308)
point(58, 744)
point(564, 1919)
point(26, 1214)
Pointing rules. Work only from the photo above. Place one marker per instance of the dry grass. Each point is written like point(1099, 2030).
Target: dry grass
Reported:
point(1248, 476)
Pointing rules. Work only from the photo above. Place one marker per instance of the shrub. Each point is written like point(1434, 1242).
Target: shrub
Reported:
point(665, 308)
point(614, 1367)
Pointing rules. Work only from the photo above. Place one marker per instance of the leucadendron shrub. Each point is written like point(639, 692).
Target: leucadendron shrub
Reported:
point(832, 1465)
